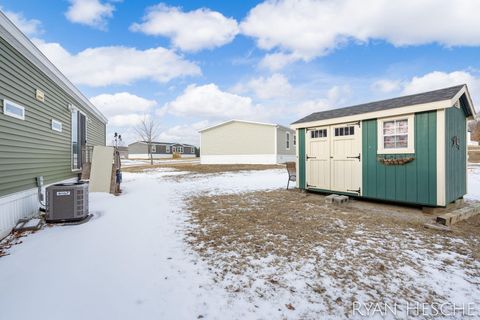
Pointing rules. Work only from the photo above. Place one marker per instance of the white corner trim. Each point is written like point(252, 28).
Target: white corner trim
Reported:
point(275, 139)
point(441, 183)
point(411, 135)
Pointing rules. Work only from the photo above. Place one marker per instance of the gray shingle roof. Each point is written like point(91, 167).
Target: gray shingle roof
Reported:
point(426, 97)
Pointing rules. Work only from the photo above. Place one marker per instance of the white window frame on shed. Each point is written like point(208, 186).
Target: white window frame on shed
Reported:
point(56, 125)
point(153, 148)
point(10, 104)
point(287, 140)
point(410, 135)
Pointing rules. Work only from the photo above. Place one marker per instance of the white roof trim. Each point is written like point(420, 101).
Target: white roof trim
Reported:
point(22, 43)
point(470, 106)
point(243, 121)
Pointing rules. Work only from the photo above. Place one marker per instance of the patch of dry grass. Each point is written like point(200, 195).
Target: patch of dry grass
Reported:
point(362, 246)
point(202, 168)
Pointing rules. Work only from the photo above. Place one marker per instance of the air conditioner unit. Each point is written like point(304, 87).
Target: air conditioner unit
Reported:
point(67, 202)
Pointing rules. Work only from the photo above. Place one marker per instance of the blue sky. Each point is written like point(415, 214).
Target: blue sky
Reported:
point(190, 64)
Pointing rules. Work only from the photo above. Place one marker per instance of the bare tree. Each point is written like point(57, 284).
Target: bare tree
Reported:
point(147, 131)
point(474, 127)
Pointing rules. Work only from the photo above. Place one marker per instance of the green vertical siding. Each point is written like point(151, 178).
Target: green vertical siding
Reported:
point(455, 162)
point(414, 182)
point(301, 158)
point(30, 147)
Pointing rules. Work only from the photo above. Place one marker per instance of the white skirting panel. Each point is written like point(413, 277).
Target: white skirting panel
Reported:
point(15, 206)
point(282, 158)
point(144, 156)
point(239, 159)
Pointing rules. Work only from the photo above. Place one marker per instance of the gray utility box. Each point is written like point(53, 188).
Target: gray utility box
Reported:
point(67, 202)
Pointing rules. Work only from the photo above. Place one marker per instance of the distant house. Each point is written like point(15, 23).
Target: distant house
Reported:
point(46, 126)
point(247, 142)
point(139, 150)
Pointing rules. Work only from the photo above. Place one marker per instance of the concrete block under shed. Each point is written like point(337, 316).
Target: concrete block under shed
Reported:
point(336, 199)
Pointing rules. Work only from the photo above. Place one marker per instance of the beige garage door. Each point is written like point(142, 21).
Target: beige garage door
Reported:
point(334, 158)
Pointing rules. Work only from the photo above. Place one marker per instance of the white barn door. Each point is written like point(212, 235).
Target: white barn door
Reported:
point(333, 156)
point(346, 166)
point(318, 158)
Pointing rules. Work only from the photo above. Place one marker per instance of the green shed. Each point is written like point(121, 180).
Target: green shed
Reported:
point(410, 149)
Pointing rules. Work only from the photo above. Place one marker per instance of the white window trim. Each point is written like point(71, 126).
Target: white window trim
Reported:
point(167, 149)
point(287, 140)
point(56, 122)
point(294, 140)
point(411, 135)
point(10, 114)
point(153, 149)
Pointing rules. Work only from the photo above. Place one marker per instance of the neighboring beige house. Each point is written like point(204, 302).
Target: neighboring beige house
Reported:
point(247, 142)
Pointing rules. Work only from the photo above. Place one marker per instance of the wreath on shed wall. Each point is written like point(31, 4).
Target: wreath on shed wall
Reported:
point(395, 161)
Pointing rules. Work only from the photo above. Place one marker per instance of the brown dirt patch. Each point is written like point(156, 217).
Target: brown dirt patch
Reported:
point(366, 249)
point(202, 168)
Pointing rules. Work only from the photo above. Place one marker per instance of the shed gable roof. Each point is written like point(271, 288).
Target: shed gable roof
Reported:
point(244, 121)
point(404, 101)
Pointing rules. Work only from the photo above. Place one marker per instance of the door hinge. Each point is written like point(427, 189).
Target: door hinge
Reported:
point(359, 157)
point(356, 191)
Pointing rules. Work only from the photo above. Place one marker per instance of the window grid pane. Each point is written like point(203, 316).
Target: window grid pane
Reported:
point(395, 134)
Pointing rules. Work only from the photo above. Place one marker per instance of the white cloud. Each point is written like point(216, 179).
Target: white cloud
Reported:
point(438, 80)
point(189, 31)
point(31, 27)
point(185, 133)
point(208, 101)
point(275, 86)
point(335, 97)
point(305, 29)
point(276, 61)
point(386, 86)
point(431, 81)
point(103, 66)
point(92, 13)
point(123, 108)
point(126, 120)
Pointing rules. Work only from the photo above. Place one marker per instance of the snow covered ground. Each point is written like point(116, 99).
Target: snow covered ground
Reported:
point(128, 262)
point(131, 261)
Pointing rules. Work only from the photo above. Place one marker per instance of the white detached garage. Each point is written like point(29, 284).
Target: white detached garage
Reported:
point(247, 142)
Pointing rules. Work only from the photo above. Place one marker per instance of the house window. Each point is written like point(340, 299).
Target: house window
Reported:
point(56, 125)
point(167, 149)
point(174, 149)
point(13, 110)
point(345, 131)
point(192, 150)
point(294, 139)
point(395, 135)
point(79, 137)
point(180, 149)
point(288, 140)
point(153, 148)
point(321, 133)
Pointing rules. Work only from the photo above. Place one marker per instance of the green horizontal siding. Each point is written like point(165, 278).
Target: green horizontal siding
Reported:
point(414, 182)
point(455, 162)
point(30, 147)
